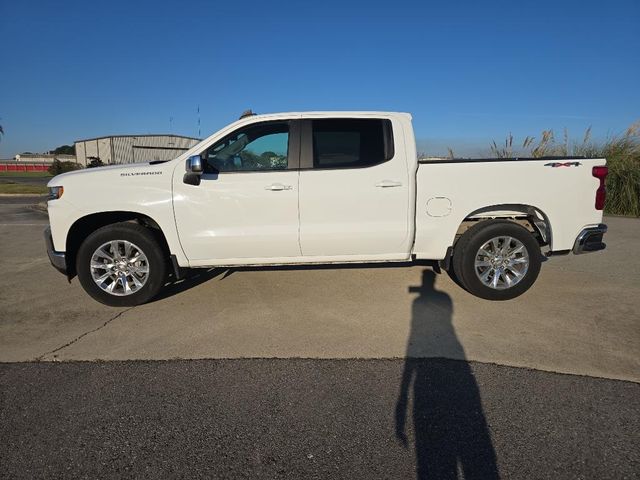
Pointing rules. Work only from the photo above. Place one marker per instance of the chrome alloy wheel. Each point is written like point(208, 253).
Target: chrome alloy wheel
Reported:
point(119, 267)
point(502, 262)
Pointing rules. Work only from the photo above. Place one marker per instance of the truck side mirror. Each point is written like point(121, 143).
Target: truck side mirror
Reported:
point(194, 170)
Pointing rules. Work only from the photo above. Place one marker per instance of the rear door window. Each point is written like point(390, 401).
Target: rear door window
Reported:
point(351, 143)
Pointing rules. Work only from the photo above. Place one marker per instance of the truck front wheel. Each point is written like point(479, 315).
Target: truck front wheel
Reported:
point(121, 265)
point(497, 260)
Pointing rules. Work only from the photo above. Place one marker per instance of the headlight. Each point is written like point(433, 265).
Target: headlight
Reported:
point(55, 192)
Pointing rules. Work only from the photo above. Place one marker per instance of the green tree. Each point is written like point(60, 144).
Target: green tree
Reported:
point(94, 162)
point(58, 167)
point(64, 150)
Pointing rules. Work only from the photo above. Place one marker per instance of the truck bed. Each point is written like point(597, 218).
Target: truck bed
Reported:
point(561, 190)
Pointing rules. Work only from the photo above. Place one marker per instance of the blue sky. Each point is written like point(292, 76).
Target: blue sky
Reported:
point(468, 71)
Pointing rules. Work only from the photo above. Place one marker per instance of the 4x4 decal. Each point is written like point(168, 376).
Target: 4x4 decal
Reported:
point(562, 164)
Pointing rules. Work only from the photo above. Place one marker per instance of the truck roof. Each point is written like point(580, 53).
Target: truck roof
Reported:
point(328, 113)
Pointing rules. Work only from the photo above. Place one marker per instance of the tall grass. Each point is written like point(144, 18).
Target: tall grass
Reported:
point(621, 151)
point(623, 182)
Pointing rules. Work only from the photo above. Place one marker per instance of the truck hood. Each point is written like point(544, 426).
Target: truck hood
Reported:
point(111, 172)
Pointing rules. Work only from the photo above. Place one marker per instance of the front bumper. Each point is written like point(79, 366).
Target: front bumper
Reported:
point(57, 259)
point(590, 240)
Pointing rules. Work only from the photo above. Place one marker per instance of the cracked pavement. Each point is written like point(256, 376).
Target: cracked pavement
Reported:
point(52, 353)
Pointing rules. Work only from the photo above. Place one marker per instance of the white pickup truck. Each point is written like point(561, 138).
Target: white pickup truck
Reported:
point(321, 187)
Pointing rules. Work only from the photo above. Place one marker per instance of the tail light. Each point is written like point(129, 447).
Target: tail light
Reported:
point(601, 194)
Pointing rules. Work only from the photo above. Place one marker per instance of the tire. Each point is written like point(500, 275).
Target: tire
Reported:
point(508, 270)
point(454, 276)
point(142, 278)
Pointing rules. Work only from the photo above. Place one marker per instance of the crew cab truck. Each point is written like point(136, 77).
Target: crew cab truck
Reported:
point(321, 187)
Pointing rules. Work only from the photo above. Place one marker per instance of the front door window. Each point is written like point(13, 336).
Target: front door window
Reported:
point(254, 148)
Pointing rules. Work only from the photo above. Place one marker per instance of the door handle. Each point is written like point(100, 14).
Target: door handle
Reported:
point(277, 187)
point(388, 184)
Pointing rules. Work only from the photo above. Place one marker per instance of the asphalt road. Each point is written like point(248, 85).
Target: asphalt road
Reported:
point(490, 393)
point(323, 419)
point(19, 210)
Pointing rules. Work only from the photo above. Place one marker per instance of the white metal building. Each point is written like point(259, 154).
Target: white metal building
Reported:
point(43, 158)
point(132, 148)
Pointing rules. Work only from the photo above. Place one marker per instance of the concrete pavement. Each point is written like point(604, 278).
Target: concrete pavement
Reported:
point(581, 317)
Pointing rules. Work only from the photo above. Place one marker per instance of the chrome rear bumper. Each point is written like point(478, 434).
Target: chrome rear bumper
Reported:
point(590, 240)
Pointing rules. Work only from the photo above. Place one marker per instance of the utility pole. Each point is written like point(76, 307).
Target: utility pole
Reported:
point(199, 134)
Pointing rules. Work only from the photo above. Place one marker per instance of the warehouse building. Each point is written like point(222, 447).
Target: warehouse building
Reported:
point(132, 148)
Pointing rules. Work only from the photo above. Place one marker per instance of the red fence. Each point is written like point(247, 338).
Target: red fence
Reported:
point(23, 167)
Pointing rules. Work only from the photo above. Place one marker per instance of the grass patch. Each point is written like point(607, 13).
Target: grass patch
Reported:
point(623, 182)
point(25, 174)
point(24, 189)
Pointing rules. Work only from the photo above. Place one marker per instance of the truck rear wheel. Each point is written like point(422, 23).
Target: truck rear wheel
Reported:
point(121, 265)
point(497, 260)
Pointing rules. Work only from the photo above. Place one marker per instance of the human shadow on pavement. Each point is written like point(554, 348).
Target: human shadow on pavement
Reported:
point(452, 438)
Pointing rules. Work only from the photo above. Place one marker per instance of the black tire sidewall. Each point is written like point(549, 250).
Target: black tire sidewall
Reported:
point(480, 234)
point(136, 234)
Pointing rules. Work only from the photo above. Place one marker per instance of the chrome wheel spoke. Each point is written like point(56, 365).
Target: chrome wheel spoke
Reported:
point(519, 260)
point(115, 250)
point(485, 275)
point(508, 279)
point(141, 269)
point(516, 250)
point(506, 244)
point(496, 277)
point(110, 288)
point(136, 282)
point(127, 249)
point(102, 278)
point(516, 273)
point(125, 283)
point(103, 266)
point(501, 262)
point(103, 253)
point(119, 267)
